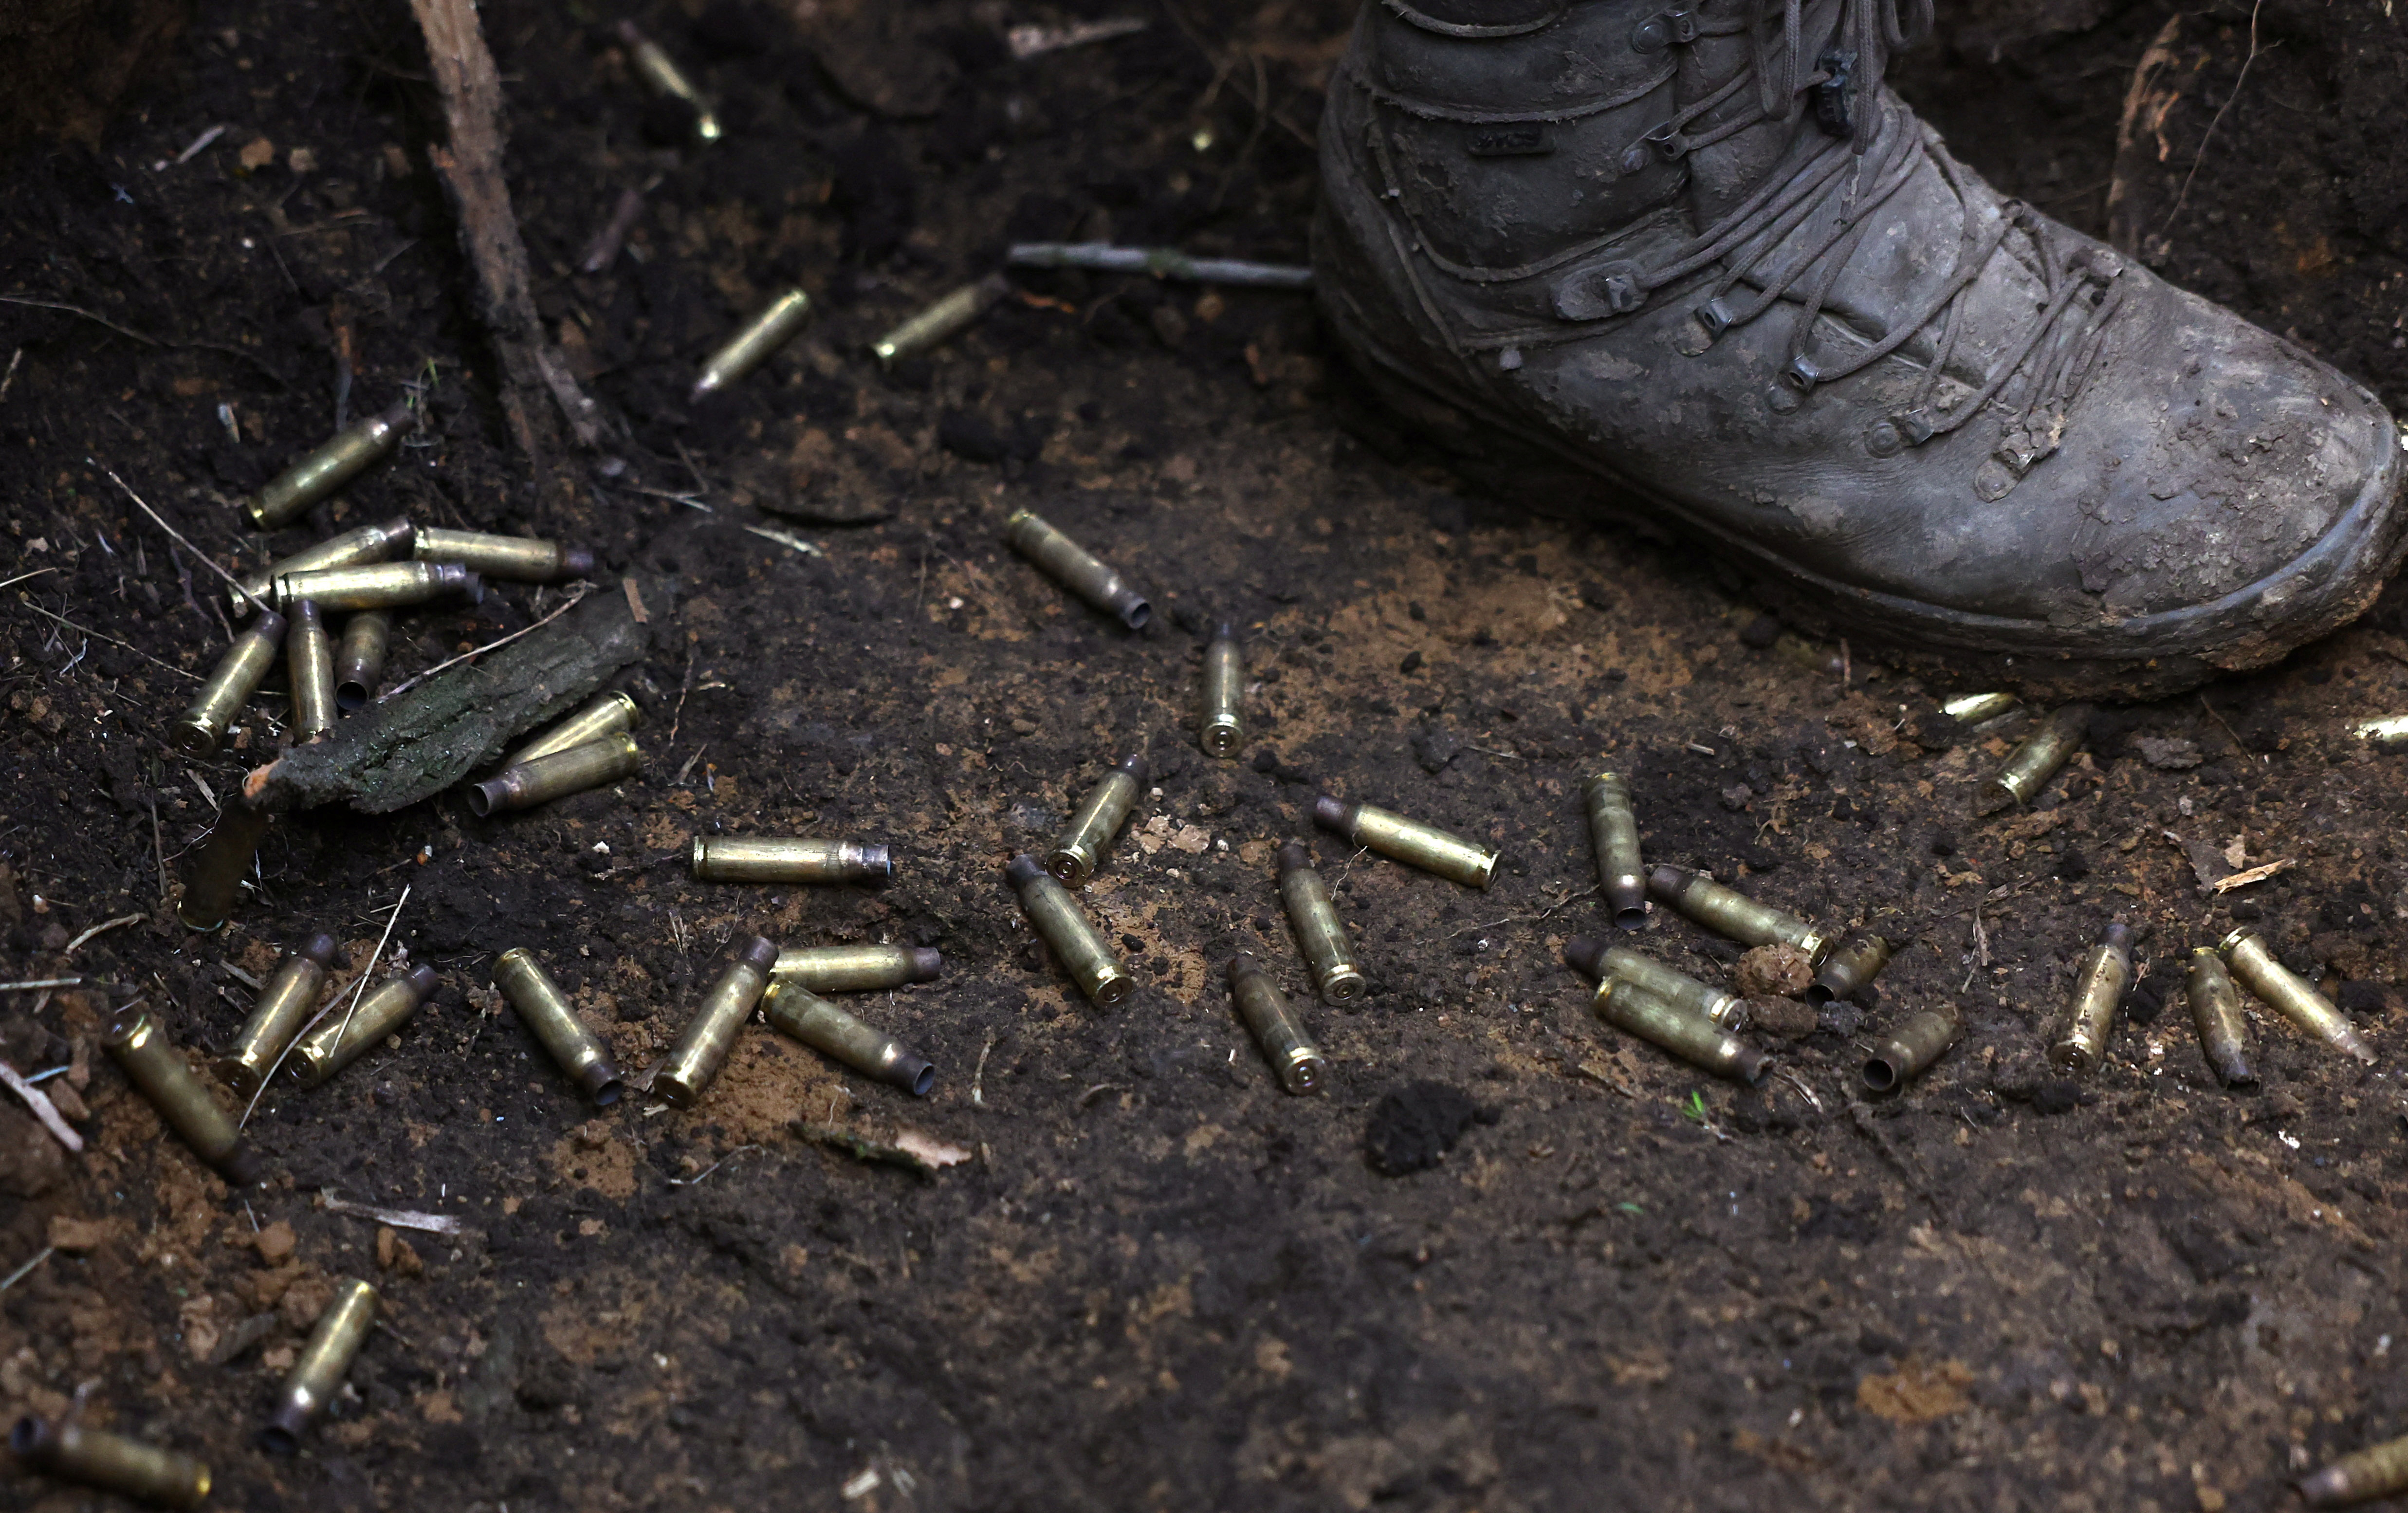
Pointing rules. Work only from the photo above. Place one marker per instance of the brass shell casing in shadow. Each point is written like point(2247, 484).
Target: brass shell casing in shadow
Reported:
point(282, 1007)
point(592, 765)
point(2030, 765)
point(1320, 934)
point(359, 658)
point(545, 1010)
point(1064, 926)
point(2377, 1471)
point(789, 859)
point(2098, 985)
point(608, 715)
point(309, 667)
point(1909, 1053)
point(1222, 728)
point(1729, 912)
point(2215, 1014)
point(1076, 568)
point(334, 1341)
point(320, 473)
point(367, 543)
point(799, 1013)
point(695, 1061)
point(236, 677)
point(1848, 968)
point(2288, 994)
point(1613, 832)
point(518, 559)
point(137, 1042)
point(215, 866)
point(1977, 709)
point(662, 76)
point(349, 1029)
point(376, 586)
point(857, 969)
point(1080, 848)
point(113, 1463)
point(1721, 1007)
point(940, 322)
point(1298, 1064)
point(754, 343)
point(1692, 1037)
point(1408, 841)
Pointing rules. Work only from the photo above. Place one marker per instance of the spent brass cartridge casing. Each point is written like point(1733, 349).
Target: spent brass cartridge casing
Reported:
point(556, 776)
point(1408, 841)
point(368, 543)
point(318, 1376)
point(2377, 1471)
point(359, 658)
point(309, 665)
point(1730, 912)
point(2391, 732)
point(799, 1013)
point(518, 558)
point(376, 586)
point(1977, 709)
point(277, 1016)
point(2030, 765)
point(2099, 986)
point(755, 344)
point(1854, 961)
point(291, 494)
point(940, 322)
point(1275, 1027)
point(662, 76)
point(1225, 690)
point(2216, 1013)
point(1320, 934)
point(788, 858)
point(1075, 943)
point(694, 1061)
point(545, 1010)
point(204, 722)
point(857, 969)
point(1692, 1037)
point(139, 1044)
point(1614, 830)
point(1080, 848)
point(1076, 568)
point(606, 716)
point(1719, 1006)
point(2288, 994)
point(218, 864)
point(1905, 1055)
point(113, 1463)
point(350, 1029)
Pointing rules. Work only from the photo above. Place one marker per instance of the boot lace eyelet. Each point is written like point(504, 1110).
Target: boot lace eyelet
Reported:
point(1884, 441)
point(1716, 316)
point(1663, 30)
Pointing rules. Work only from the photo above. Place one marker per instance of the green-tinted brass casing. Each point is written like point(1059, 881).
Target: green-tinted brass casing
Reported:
point(237, 676)
point(376, 586)
point(320, 473)
point(1408, 841)
point(359, 658)
point(589, 766)
point(758, 342)
point(1728, 912)
point(217, 865)
point(789, 859)
point(367, 543)
point(816, 1022)
point(1076, 943)
point(1906, 1055)
point(1076, 568)
point(1977, 709)
point(309, 667)
point(857, 969)
point(2030, 765)
point(1851, 964)
point(518, 559)
point(113, 1463)
point(282, 1007)
point(545, 1010)
point(2377, 1471)
point(1273, 1023)
point(1721, 1007)
point(608, 715)
point(1613, 832)
point(2099, 986)
point(695, 1061)
point(1080, 848)
point(350, 1028)
point(940, 322)
point(2215, 1014)
point(317, 1374)
point(1320, 934)
point(662, 76)
point(1222, 729)
point(2288, 994)
point(1692, 1037)
point(137, 1042)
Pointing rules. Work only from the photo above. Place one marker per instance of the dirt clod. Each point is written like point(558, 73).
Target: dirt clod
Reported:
point(1776, 970)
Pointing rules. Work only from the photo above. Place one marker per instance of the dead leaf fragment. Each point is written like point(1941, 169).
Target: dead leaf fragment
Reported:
point(1916, 1392)
point(256, 153)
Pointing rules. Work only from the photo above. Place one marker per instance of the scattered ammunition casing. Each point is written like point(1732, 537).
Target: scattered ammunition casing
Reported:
point(2099, 986)
point(1319, 932)
point(376, 586)
point(277, 1016)
point(291, 494)
point(1076, 943)
point(1691, 1037)
point(2290, 994)
point(1614, 830)
point(2030, 765)
point(940, 322)
point(857, 969)
point(309, 665)
point(694, 1061)
point(1720, 1006)
point(219, 863)
point(756, 343)
point(662, 76)
point(1076, 568)
point(369, 544)
point(805, 1015)
point(788, 858)
point(563, 773)
point(544, 1009)
point(1080, 848)
point(1161, 261)
point(2215, 1011)
point(1977, 709)
point(2377, 1471)
point(139, 1044)
point(518, 558)
point(113, 1463)
point(1907, 1054)
point(318, 1376)
point(2391, 731)
point(204, 722)
point(1853, 963)
point(1728, 912)
point(1275, 1027)
point(332, 1046)
point(1225, 692)
point(1408, 841)
point(606, 716)
point(359, 658)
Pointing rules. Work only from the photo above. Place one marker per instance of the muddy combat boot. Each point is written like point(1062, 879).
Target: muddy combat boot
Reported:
point(1696, 268)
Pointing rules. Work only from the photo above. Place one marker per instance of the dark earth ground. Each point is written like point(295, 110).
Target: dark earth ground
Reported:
point(1159, 1282)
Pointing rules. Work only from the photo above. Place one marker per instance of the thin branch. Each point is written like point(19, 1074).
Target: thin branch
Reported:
point(361, 989)
point(2216, 121)
point(78, 309)
point(83, 631)
point(487, 647)
point(103, 927)
point(43, 1108)
point(206, 560)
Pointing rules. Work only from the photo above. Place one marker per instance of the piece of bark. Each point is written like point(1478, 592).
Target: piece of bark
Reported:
point(420, 744)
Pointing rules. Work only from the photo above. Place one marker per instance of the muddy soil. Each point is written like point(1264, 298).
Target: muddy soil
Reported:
point(1155, 1280)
